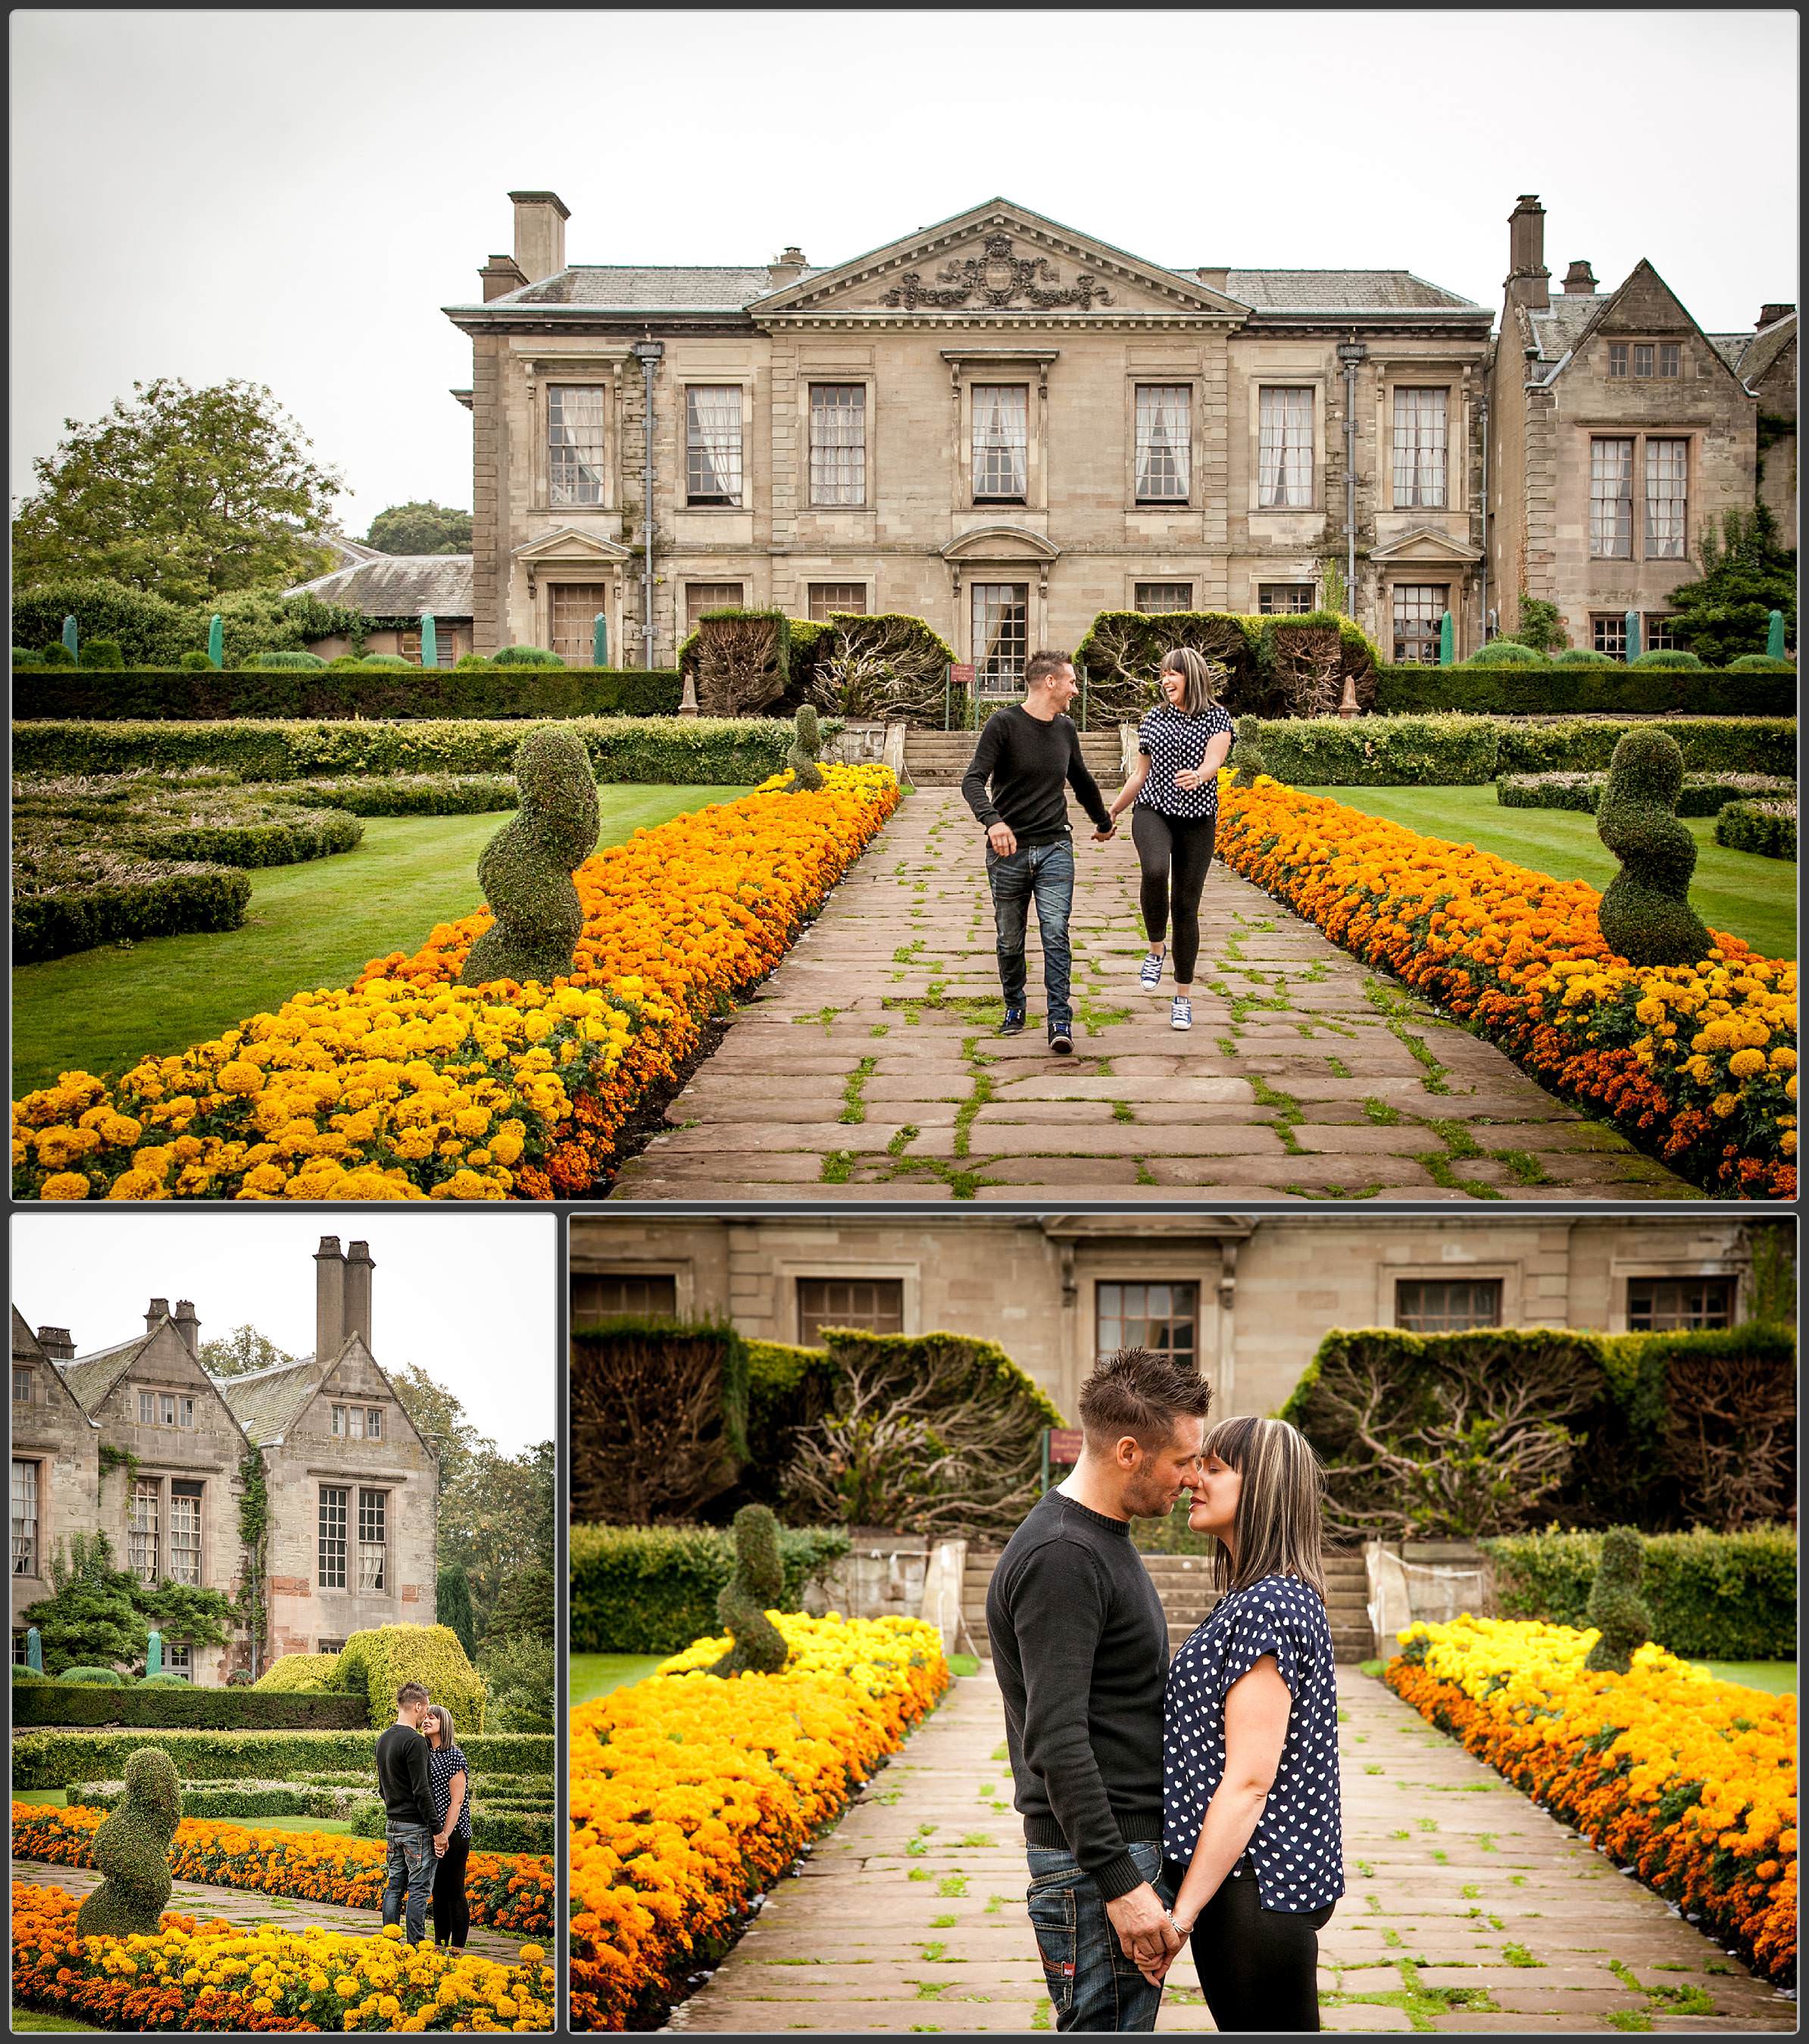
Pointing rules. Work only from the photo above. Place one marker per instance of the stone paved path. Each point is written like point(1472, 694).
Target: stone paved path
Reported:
point(1467, 1908)
point(866, 1067)
point(256, 1910)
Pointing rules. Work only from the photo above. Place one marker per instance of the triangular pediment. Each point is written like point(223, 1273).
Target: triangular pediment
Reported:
point(1000, 542)
point(355, 1372)
point(1645, 306)
point(567, 542)
point(1425, 543)
point(998, 261)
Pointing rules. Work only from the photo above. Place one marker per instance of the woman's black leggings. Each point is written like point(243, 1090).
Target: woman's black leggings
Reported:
point(1174, 853)
point(452, 1912)
point(1258, 1968)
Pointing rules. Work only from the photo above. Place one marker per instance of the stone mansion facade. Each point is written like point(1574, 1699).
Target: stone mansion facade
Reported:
point(1248, 1298)
point(137, 1441)
point(1004, 426)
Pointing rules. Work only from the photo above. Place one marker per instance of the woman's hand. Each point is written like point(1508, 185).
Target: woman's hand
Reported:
point(1191, 778)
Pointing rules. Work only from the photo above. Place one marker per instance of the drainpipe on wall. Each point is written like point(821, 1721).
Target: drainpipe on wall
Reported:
point(1482, 414)
point(1350, 353)
point(649, 352)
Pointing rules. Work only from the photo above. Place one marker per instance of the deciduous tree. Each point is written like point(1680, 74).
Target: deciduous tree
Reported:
point(420, 527)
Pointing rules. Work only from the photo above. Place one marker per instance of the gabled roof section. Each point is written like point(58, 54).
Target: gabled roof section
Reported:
point(1561, 330)
point(355, 1343)
point(399, 586)
point(266, 1402)
point(25, 1344)
point(1343, 290)
point(90, 1377)
point(1764, 347)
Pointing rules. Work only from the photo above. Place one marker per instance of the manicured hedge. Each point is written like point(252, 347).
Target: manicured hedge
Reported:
point(729, 751)
point(413, 794)
point(303, 835)
point(1702, 794)
point(1613, 690)
point(406, 691)
point(54, 1759)
point(1713, 1595)
point(57, 909)
point(373, 1664)
point(242, 1804)
point(1767, 827)
point(511, 1831)
point(653, 1589)
point(251, 1710)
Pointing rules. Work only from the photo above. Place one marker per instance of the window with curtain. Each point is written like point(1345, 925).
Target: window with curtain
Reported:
point(1001, 635)
point(1447, 1305)
point(333, 1537)
point(1284, 599)
point(185, 1533)
point(575, 443)
point(1611, 499)
point(713, 443)
point(373, 1540)
point(573, 607)
point(702, 595)
point(24, 1518)
point(1607, 633)
point(827, 599)
point(1155, 599)
point(1001, 442)
point(838, 444)
point(1667, 491)
point(1655, 1305)
point(1420, 442)
point(1165, 442)
point(1284, 449)
point(1164, 1318)
point(142, 1527)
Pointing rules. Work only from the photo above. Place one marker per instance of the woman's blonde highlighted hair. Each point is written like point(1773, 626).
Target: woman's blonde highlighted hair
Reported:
point(443, 1722)
point(1199, 676)
point(1280, 1525)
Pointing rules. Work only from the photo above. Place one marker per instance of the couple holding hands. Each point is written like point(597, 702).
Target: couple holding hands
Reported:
point(1191, 1802)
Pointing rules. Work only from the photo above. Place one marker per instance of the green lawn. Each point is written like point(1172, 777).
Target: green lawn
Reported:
point(1736, 891)
point(1777, 1676)
point(32, 2019)
point(316, 924)
point(596, 1674)
point(57, 1798)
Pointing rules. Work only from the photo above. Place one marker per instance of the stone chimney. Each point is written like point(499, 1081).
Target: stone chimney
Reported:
point(785, 269)
point(539, 233)
point(158, 1309)
point(57, 1343)
point(329, 1300)
point(1580, 280)
point(1770, 315)
point(188, 1327)
point(358, 1268)
point(1528, 281)
point(1214, 280)
point(501, 274)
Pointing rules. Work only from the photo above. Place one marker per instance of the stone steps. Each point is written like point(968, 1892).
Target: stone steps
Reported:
point(939, 758)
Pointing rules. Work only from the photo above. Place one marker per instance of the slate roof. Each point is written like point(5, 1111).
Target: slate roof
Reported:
point(1557, 332)
point(1730, 347)
point(1763, 347)
point(399, 586)
point(1342, 290)
point(651, 287)
point(93, 1376)
point(266, 1402)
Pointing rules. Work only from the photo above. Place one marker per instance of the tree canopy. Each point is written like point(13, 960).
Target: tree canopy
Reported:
point(420, 527)
point(1747, 574)
point(240, 1352)
point(98, 1616)
point(187, 493)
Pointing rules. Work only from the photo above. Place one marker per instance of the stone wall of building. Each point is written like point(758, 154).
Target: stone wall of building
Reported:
point(54, 1436)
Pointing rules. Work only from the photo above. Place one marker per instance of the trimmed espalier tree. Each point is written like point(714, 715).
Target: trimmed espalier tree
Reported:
point(1616, 1608)
point(1646, 913)
point(759, 1582)
point(526, 868)
point(132, 1849)
point(806, 746)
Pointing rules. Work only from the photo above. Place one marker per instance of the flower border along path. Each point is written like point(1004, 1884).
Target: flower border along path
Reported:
point(1696, 1062)
point(407, 1086)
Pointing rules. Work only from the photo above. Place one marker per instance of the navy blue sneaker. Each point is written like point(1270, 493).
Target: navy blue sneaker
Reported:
point(1013, 1024)
point(1062, 1039)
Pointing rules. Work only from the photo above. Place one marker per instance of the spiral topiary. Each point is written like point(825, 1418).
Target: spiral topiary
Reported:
point(759, 1582)
point(807, 743)
point(1646, 914)
point(1247, 753)
point(132, 1849)
point(526, 868)
point(1616, 1608)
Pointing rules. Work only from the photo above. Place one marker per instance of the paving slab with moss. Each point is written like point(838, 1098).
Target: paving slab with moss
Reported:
point(868, 1068)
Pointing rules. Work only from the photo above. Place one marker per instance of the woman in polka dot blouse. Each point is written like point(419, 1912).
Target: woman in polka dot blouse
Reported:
point(1182, 743)
point(1251, 1837)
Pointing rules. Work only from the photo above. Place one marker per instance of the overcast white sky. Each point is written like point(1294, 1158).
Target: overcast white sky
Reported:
point(290, 196)
point(471, 1297)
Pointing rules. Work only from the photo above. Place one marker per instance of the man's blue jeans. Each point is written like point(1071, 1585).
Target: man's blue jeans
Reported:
point(1092, 1984)
point(1047, 872)
point(409, 1865)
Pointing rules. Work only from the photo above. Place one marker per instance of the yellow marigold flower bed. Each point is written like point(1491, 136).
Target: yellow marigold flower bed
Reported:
point(511, 1892)
point(690, 1795)
point(1698, 1062)
point(194, 1975)
point(404, 1086)
point(1689, 1780)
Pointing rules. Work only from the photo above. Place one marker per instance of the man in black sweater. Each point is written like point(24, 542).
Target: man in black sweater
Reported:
point(1031, 754)
point(409, 1824)
point(1081, 1652)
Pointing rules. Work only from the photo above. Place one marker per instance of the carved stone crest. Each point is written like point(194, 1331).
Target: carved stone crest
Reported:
point(999, 278)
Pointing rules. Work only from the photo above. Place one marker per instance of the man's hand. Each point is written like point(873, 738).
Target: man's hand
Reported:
point(1003, 840)
point(1145, 1933)
point(1106, 835)
point(440, 1845)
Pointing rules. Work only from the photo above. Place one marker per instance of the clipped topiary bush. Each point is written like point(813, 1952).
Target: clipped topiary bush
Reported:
point(279, 660)
point(1582, 656)
point(526, 868)
point(101, 653)
point(806, 747)
point(109, 1678)
point(131, 1851)
point(290, 1673)
point(166, 1678)
point(386, 660)
point(194, 663)
point(1646, 912)
point(1760, 663)
point(1503, 653)
point(55, 655)
point(373, 1664)
point(1766, 827)
point(521, 656)
point(1616, 1609)
point(1671, 657)
point(759, 1646)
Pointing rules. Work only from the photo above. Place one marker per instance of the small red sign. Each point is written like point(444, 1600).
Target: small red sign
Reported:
point(960, 674)
point(1065, 1447)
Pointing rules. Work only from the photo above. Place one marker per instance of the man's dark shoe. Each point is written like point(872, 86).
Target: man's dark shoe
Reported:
point(1062, 1041)
point(1013, 1024)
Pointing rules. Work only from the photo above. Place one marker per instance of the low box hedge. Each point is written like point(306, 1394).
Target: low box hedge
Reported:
point(76, 901)
point(1766, 827)
point(251, 1710)
point(1713, 1595)
point(413, 794)
point(510, 1831)
point(54, 1759)
point(1612, 691)
point(653, 1589)
point(1702, 794)
point(489, 691)
point(243, 1803)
